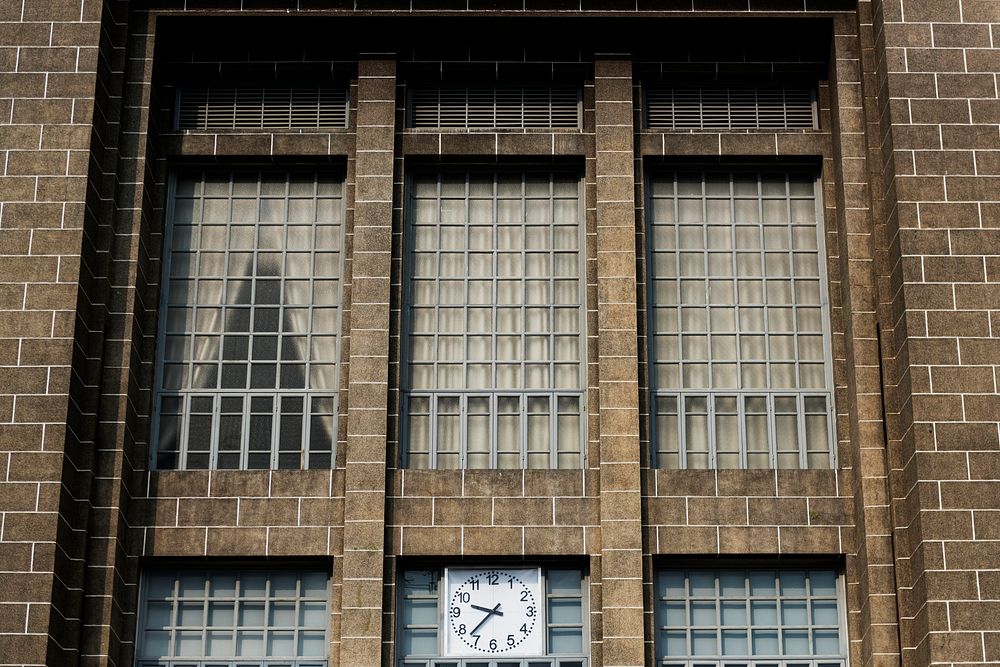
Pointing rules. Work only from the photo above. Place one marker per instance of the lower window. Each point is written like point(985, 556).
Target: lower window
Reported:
point(225, 618)
point(750, 617)
point(492, 616)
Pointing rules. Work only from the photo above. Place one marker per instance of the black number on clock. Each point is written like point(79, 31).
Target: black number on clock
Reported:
point(510, 639)
point(461, 629)
point(525, 596)
point(464, 597)
point(511, 582)
point(456, 612)
point(493, 579)
point(530, 613)
point(524, 628)
point(474, 584)
point(493, 644)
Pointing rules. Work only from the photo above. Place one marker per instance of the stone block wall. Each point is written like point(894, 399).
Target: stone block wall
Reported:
point(909, 149)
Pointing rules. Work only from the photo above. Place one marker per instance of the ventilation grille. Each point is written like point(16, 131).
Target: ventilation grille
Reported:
point(495, 106)
point(239, 107)
point(730, 107)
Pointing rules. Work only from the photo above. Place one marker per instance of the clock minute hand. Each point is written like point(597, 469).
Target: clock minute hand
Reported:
point(489, 612)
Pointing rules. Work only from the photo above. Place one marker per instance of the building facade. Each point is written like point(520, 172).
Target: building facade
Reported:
point(499, 334)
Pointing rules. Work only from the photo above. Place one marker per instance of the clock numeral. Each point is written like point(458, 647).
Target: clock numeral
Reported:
point(475, 644)
point(456, 612)
point(530, 613)
point(461, 629)
point(525, 596)
point(510, 639)
point(511, 582)
point(474, 584)
point(493, 579)
point(524, 628)
point(464, 597)
point(493, 644)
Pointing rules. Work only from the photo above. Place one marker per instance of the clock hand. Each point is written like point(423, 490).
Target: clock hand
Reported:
point(489, 612)
point(487, 609)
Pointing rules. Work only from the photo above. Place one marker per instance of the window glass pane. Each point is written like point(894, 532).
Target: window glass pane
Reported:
point(254, 286)
point(763, 332)
point(798, 623)
point(486, 285)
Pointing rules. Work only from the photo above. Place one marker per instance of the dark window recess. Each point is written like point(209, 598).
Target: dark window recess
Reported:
point(730, 107)
point(238, 107)
point(503, 106)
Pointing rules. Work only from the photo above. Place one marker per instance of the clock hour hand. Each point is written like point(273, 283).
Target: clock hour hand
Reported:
point(495, 609)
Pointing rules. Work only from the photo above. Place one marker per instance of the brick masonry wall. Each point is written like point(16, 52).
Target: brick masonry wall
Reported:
point(909, 153)
point(934, 87)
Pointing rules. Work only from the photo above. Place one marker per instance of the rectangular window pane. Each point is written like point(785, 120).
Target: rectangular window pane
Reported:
point(256, 260)
point(756, 347)
point(744, 614)
point(224, 614)
point(495, 349)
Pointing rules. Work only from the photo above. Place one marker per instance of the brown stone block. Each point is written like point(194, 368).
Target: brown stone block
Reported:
point(809, 540)
point(748, 144)
point(167, 483)
point(688, 540)
point(411, 511)
point(830, 511)
point(35, 466)
point(777, 511)
point(463, 512)
point(562, 540)
point(301, 144)
point(952, 323)
point(968, 136)
point(807, 482)
point(972, 555)
point(523, 511)
point(979, 615)
point(488, 483)
point(685, 483)
point(577, 511)
point(268, 511)
point(226, 483)
point(691, 144)
point(984, 465)
point(967, 436)
point(25, 649)
point(548, 483)
point(321, 511)
point(432, 483)
point(970, 495)
point(186, 542)
point(236, 542)
point(982, 407)
point(717, 511)
point(666, 511)
point(748, 540)
point(206, 512)
point(987, 523)
point(297, 542)
point(300, 483)
point(434, 541)
point(492, 540)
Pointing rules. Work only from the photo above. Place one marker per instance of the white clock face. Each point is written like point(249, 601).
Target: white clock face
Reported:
point(494, 611)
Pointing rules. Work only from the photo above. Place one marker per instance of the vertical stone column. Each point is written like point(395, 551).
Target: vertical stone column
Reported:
point(364, 508)
point(621, 516)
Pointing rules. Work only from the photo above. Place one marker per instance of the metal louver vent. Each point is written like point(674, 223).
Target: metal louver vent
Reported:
point(730, 107)
point(495, 106)
point(238, 107)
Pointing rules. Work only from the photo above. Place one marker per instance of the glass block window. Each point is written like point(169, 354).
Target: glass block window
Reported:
point(495, 321)
point(420, 609)
point(740, 348)
point(199, 618)
point(792, 618)
point(249, 322)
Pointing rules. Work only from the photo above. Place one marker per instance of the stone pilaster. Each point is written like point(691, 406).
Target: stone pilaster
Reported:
point(364, 508)
point(621, 522)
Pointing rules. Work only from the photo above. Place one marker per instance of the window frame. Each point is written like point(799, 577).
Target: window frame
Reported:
point(761, 660)
point(228, 661)
point(546, 660)
point(494, 394)
point(158, 392)
point(655, 392)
